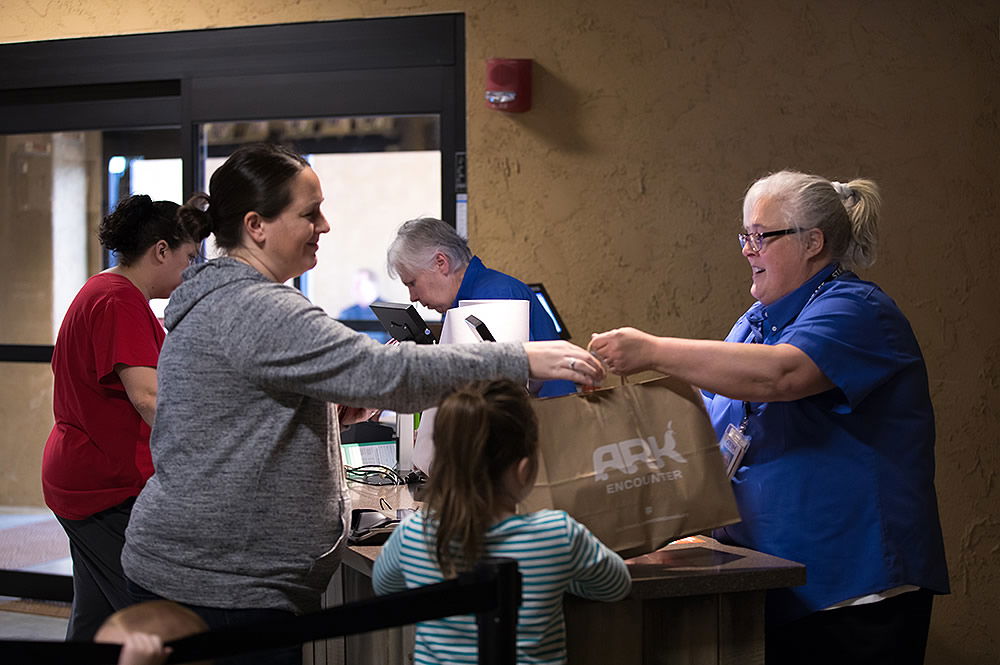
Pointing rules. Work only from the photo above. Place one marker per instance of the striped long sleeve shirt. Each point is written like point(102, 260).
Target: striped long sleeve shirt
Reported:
point(555, 554)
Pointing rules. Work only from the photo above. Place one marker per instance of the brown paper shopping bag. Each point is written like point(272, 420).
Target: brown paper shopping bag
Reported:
point(639, 465)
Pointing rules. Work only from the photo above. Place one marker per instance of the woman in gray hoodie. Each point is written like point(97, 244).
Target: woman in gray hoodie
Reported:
point(246, 513)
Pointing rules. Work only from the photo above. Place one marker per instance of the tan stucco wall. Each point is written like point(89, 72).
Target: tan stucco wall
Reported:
point(621, 188)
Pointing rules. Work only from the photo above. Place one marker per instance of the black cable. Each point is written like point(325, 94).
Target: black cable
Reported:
point(362, 474)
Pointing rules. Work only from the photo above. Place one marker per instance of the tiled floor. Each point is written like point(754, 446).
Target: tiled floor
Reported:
point(20, 626)
point(17, 625)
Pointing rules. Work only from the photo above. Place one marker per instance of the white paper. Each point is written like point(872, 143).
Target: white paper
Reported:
point(423, 447)
point(404, 431)
point(506, 319)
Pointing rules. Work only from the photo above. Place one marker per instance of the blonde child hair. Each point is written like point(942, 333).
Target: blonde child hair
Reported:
point(481, 432)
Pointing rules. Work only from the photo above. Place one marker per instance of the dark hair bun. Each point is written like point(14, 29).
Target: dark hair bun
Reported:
point(138, 223)
point(195, 217)
point(121, 230)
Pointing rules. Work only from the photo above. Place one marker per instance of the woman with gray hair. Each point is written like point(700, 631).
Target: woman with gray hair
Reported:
point(439, 269)
point(821, 386)
point(417, 243)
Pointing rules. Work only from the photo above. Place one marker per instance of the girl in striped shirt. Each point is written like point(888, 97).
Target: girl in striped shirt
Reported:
point(485, 462)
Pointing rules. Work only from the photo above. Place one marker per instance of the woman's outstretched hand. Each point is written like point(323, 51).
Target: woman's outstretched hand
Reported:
point(624, 350)
point(562, 360)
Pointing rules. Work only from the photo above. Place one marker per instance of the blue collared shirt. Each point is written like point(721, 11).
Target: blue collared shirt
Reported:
point(842, 481)
point(482, 283)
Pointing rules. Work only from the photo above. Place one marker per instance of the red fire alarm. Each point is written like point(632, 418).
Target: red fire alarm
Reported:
point(508, 84)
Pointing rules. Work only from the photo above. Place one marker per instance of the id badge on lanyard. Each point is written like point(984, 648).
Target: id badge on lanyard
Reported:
point(735, 442)
point(734, 446)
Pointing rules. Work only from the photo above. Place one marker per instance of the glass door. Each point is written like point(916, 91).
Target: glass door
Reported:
point(378, 106)
point(55, 187)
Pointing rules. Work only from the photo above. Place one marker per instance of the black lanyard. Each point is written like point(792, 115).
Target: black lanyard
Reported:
point(747, 411)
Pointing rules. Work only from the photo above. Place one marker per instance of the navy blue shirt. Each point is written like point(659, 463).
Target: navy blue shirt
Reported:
point(482, 283)
point(359, 313)
point(842, 481)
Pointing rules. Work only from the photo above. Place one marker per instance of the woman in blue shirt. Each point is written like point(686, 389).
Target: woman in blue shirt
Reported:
point(437, 267)
point(824, 379)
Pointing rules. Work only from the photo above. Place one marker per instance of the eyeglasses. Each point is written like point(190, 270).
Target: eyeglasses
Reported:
point(756, 240)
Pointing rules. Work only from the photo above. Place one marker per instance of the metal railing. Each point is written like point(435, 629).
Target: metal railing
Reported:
point(492, 591)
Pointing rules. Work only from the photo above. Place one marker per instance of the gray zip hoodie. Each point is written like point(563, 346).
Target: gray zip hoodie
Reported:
point(247, 507)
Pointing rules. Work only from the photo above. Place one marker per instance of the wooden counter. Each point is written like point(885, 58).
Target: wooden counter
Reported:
point(696, 602)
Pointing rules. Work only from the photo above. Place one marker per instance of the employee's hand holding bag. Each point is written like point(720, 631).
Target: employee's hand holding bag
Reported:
point(562, 360)
point(624, 350)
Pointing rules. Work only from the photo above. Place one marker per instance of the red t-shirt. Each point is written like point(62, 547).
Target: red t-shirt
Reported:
point(97, 454)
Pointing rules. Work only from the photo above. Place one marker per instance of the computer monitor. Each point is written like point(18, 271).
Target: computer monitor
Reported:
point(380, 453)
point(542, 296)
point(366, 447)
point(403, 322)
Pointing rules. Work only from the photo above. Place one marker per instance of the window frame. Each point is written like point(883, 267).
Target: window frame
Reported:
point(357, 67)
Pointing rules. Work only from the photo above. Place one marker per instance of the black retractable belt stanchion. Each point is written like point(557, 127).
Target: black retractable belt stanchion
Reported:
point(37, 586)
point(24, 652)
point(498, 627)
point(492, 591)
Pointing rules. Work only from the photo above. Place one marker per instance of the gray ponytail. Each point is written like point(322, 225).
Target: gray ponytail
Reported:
point(847, 214)
point(863, 203)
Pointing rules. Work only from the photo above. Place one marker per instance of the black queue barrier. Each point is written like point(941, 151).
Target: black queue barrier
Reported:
point(491, 591)
point(36, 586)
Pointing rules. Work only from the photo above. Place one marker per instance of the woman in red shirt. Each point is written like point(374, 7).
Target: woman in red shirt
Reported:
point(97, 456)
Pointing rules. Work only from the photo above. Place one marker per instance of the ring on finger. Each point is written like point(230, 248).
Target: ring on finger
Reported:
point(572, 363)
